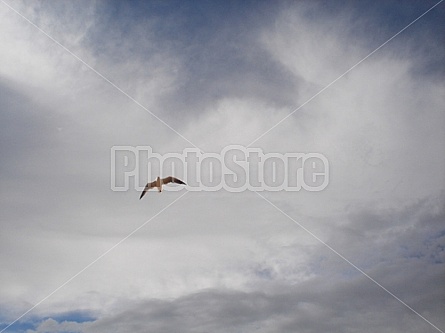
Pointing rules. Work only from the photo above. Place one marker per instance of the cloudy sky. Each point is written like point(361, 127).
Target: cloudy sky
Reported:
point(365, 254)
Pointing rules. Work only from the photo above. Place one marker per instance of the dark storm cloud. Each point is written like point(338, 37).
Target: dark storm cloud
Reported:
point(216, 52)
point(315, 306)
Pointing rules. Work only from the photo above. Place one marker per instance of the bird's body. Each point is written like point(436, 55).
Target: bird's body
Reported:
point(159, 182)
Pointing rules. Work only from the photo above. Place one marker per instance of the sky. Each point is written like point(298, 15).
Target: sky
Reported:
point(336, 78)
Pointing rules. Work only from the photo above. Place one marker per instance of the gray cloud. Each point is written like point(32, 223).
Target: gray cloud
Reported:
point(336, 297)
point(221, 261)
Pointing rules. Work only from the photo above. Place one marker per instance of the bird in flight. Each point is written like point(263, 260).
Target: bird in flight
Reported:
point(159, 182)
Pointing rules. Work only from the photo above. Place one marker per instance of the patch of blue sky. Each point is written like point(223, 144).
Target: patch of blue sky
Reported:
point(18, 327)
point(32, 323)
point(74, 316)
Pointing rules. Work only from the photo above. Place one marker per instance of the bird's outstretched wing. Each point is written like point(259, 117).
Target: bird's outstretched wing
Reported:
point(147, 187)
point(171, 179)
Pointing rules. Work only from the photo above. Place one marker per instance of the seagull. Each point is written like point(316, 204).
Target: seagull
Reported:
point(158, 183)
